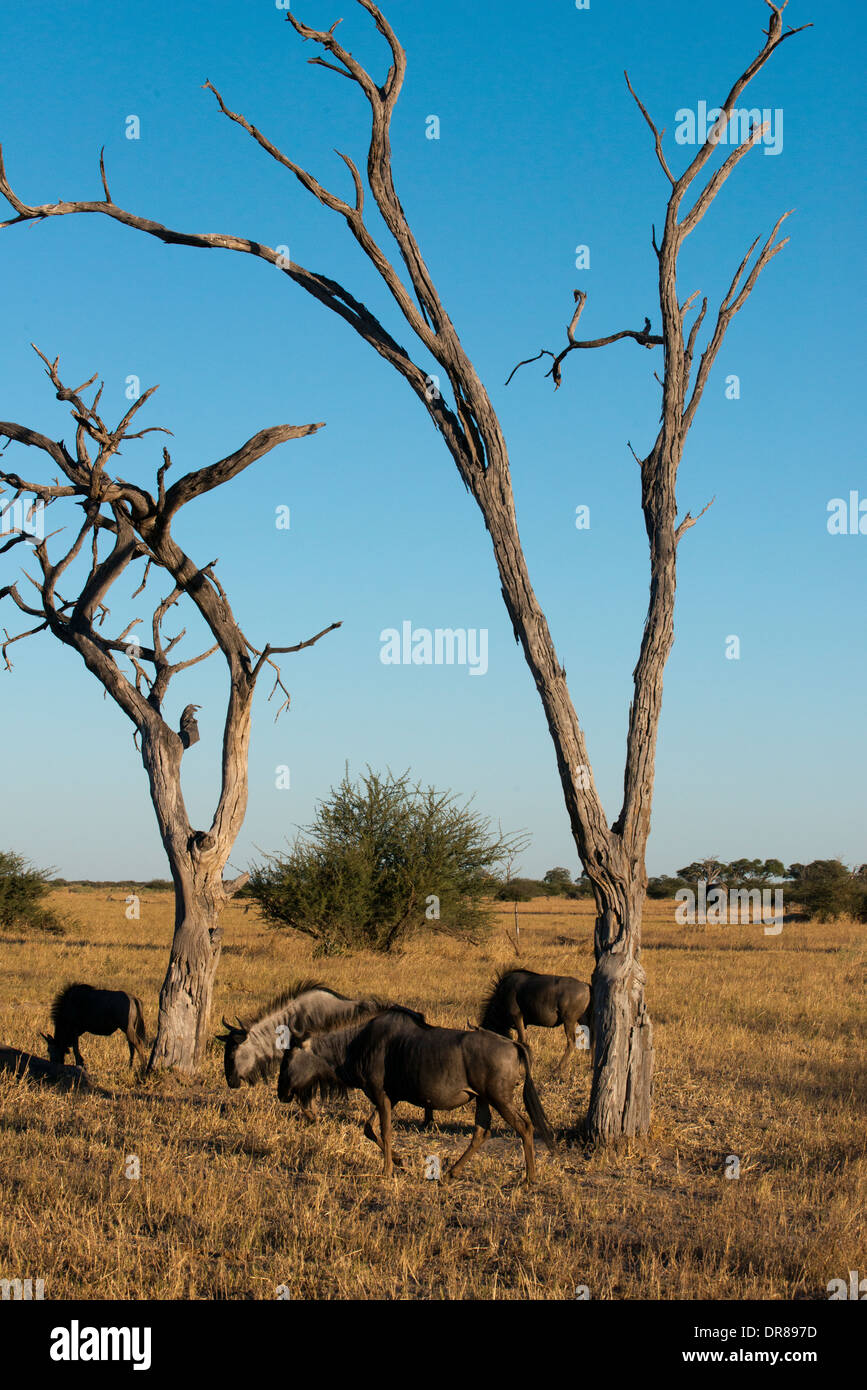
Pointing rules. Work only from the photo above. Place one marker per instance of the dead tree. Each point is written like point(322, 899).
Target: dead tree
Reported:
point(613, 855)
point(123, 524)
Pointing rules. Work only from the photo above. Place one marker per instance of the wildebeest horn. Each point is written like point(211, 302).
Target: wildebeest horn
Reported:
point(243, 1025)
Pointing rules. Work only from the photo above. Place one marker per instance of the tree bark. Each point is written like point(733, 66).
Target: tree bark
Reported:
point(186, 994)
point(621, 1095)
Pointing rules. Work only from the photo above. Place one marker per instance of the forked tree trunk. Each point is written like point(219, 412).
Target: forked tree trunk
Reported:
point(197, 862)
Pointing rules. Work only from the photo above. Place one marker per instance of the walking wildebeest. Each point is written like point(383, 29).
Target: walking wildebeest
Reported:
point(521, 997)
point(82, 1009)
point(27, 1064)
point(399, 1056)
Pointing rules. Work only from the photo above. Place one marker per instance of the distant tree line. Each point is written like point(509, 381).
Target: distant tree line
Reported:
point(555, 883)
point(824, 888)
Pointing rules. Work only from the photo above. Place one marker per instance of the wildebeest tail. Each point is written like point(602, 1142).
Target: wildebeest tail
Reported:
point(139, 1023)
point(493, 1014)
point(533, 1104)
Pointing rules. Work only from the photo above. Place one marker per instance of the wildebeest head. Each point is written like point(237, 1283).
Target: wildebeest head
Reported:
point(238, 1065)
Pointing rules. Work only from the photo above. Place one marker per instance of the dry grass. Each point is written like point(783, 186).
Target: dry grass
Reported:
point(760, 1053)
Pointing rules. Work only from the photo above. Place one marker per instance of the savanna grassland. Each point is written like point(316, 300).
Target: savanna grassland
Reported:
point(759, 1054)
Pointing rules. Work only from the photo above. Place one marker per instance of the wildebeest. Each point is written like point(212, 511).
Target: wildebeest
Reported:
point(27, 1064)
point(306, 1007)
point(521, 997)
point(253, 1050)
point(398, 1056)
point(82, 1009)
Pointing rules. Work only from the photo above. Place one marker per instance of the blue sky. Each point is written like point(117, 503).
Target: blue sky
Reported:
point(541, 149)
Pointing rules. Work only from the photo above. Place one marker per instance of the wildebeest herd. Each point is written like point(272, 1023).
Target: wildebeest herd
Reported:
point(324, 1043)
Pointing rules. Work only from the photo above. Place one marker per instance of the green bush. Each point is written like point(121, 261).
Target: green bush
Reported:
point(383, 859)
point(22, 889)
point(828, 890)
point(664, 886)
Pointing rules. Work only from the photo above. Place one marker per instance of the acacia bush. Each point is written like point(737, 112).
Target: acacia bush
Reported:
point(828, 890)
point(383, 859)
point(22, 890)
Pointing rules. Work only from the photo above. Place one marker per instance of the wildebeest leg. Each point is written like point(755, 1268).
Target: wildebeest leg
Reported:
point(428, 1121)
point(371, 1133)
point(77, 1054)
point(569, 1028)
point(522, 1032)
point(480, 1133)
point(383, 1105)
point(523, 1127)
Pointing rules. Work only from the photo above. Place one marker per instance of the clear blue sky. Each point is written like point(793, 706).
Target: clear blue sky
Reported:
point(541, 149)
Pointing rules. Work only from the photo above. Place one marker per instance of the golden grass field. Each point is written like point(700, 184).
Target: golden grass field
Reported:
point(759, 1053)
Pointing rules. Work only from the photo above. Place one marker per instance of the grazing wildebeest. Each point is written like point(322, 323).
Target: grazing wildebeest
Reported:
point(307, 1006)
point(521, 997)
point(398, 1056)
point(82, 1009)
point(27, 1064)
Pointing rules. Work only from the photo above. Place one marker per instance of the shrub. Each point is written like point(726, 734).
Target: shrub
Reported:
point(827, 889)
point(521, 890)
point(663, 886)
point(383, 859)
point(22, 888)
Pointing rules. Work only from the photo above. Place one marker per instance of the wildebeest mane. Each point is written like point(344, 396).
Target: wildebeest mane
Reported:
point(60, 998)
point(291, 992)
point(494, 1015)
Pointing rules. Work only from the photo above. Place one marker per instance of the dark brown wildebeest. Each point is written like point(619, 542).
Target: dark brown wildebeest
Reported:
point(27, 1064)
point(82, 1009)
point(518, 998)
point(398, 1056)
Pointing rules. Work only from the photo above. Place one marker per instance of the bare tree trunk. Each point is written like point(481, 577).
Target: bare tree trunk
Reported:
point(197, 860)
point(186, 994)
point(620, 1100)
